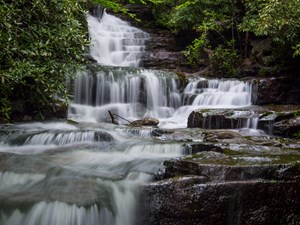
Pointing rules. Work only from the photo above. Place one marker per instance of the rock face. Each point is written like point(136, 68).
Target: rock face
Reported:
point(227, 180)
point(196, 194)
point(221, 119)
point(281, 90)
point(163, 52)
point(281, 121)
point(189, 201)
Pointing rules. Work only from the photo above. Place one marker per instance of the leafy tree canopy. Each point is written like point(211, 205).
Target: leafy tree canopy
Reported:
point(42, 43)
point(277, 19)
point(218, 22)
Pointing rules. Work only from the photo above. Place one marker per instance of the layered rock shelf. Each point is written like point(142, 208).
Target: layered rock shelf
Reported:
point(281, 121)
point(228, 179)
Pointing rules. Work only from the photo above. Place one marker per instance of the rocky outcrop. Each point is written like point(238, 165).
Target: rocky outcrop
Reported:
point(191, 201)
point(228, 179)
point(281, 120)
point(163, 52)
point(220, 118)
point(279, 90)
point(282, 123)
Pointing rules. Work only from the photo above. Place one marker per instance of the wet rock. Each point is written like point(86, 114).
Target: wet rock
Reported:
point(199, 190)
point(201, 147)
point(180, 135)
point(225, 203)
point(280, 120)
point(160, 132)
point(279, 90)
point(287, 128)
point(281, 123)
point(222, 135)
point(145, 122)
point(221, 119)
point(254, 183)
point(225, 168)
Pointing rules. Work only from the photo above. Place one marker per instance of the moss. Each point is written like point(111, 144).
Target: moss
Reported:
point(229, 151)
point(182, 78)
point(265, 114)
point(296, 165)
point(296, 113)
point(297, 134)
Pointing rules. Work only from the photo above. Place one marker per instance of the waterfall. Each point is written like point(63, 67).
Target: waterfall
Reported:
point(47, 178)
point(134, 94)
point(90, 172)
point(139, 93)
point(114, 42)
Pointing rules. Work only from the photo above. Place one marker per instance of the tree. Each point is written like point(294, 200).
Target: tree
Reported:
point(42, 43)
point(278, 19)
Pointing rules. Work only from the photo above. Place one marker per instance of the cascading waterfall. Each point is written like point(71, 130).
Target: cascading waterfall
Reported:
point(46, 178)
point(134, 94)
point(89, 173)
point(131, 95)
point(140, 93)
point(115, 42)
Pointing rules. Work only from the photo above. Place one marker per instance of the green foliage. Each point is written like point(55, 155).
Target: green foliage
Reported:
point(42, 44)
point(197, 15)
point(214, 22)
point(297, 134)
point(217, 22)
point(277, 19)
point(225, 61)
point(195, 52)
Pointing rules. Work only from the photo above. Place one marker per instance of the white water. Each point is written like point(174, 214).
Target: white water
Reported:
point(61, 182)
point(149, 93)
point(115, 42)
point(134, 94)
point(57, 173)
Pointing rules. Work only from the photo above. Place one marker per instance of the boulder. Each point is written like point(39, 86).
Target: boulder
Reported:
point(191, 201)
point(276, 90)
point(220, 118)
point(195, 192)
point(281, 123)
point(145, 122)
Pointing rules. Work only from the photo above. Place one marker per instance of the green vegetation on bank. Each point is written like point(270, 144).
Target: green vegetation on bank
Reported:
point(217, 23)
point(42, 44)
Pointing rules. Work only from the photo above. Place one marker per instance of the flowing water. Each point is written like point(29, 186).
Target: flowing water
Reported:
point(86, 173)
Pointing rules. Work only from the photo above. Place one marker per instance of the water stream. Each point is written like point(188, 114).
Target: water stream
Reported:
point(58, 173)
